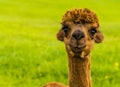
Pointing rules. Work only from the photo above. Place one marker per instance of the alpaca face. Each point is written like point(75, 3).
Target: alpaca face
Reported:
point(79, 35)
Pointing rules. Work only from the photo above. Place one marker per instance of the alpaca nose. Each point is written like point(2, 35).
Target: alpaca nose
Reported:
point(78, 34)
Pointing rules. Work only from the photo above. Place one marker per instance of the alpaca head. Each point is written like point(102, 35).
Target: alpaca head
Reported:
point(80, 29)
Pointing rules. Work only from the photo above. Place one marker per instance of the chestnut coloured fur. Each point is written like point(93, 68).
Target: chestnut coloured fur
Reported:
point(80, 30)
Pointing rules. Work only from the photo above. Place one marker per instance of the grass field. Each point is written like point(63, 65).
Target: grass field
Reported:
point(30, 55)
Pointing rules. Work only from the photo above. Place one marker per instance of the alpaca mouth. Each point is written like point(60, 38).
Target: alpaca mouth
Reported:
point(78, 48)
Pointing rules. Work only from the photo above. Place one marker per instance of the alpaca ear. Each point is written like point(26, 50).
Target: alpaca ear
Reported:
point(98, 37)
point(61, 35)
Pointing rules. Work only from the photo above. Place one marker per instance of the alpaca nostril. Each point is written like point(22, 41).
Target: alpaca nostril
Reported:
point(78, 34)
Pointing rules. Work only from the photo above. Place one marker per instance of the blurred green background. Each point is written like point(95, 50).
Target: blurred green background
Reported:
point(30, 54)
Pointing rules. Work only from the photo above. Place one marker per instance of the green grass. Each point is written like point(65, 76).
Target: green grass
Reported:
point(30, 55)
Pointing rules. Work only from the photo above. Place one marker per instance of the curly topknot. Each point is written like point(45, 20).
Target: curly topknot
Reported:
point(81, 16)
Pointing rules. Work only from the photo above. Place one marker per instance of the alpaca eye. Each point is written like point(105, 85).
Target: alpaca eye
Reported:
point(93, 31)
point(66, 29)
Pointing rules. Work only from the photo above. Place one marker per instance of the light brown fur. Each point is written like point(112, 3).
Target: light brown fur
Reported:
point(80, 29)
point(54, 84)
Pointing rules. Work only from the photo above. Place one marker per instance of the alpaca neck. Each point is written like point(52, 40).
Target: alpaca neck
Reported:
point(79, 72)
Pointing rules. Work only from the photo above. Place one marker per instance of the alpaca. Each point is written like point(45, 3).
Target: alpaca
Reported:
point(80, 29)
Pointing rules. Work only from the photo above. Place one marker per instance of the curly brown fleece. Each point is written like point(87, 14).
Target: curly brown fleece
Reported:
point(81, 16)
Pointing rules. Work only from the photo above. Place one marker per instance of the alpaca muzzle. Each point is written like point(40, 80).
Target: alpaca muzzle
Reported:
point(78, 34)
